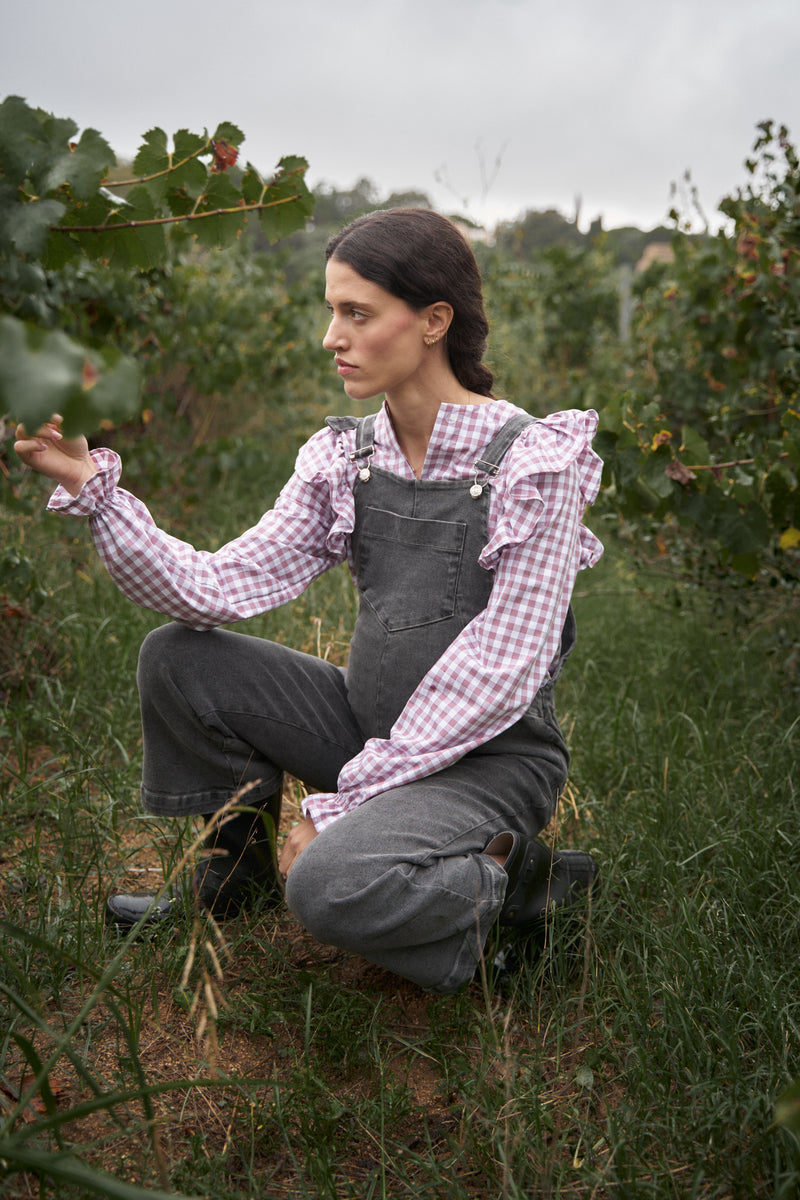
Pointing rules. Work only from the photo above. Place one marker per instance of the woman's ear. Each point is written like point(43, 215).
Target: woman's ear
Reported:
point(438, 319)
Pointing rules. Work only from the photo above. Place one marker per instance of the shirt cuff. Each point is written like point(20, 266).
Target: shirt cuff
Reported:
point(94, 492)
point(324, 808)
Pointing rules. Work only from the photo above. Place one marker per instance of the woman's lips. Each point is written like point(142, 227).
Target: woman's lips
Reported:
point(344, 368)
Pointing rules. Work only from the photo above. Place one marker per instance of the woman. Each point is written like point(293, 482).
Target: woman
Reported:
point(436, 758)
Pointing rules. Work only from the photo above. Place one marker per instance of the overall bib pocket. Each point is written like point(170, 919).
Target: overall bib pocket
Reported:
point(394, 552)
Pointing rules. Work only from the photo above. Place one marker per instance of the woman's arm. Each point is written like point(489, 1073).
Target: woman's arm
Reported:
point(263, 568)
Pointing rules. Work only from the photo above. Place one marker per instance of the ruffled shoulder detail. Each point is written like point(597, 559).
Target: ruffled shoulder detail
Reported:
point(549, 445)
point(556, 445)
point(324, 459)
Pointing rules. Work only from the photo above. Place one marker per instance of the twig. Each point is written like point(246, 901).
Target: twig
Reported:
point(217, 212)
point(117, 183)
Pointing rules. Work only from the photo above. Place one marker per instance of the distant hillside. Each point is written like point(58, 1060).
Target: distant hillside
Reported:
point(538, 229)
point(535, 230)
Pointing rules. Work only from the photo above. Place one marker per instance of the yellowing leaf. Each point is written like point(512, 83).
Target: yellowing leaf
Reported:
point(790, 538)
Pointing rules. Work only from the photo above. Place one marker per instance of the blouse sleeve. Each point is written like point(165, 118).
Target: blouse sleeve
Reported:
point(263, 568)
point(489, 675)
point(558, 442)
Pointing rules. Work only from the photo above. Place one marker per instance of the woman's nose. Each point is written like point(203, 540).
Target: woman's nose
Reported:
point(333, 338)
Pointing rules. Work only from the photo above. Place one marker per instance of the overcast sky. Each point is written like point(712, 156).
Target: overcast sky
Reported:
point(490, 106)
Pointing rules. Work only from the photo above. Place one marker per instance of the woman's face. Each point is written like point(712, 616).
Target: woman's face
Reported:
point(376, 338)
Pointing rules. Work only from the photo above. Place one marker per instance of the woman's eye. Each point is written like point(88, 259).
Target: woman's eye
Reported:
point(357, 315)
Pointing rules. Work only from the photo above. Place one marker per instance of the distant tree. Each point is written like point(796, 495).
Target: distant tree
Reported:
point(334, 207)
point(407, 200)
point(536, 230)
point(627, 243)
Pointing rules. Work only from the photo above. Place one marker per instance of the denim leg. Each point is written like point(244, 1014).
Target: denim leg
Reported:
point(222, 709)
point(403, 880)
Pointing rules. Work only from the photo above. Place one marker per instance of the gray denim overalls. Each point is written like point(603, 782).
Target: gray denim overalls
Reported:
point(416, 545)
point(402, 879)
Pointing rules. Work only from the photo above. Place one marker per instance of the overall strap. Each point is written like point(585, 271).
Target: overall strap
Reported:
point(364, 433)
point(340, 424)
point(363, 427)
point(364, 448)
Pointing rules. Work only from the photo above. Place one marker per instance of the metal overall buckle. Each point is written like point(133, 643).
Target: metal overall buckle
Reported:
point(366, 453)
point(488, 470)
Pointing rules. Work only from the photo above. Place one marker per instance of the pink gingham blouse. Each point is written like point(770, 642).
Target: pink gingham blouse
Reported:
point(489, 675)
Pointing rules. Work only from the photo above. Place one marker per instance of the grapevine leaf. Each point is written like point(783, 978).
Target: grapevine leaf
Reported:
point(180, 202)
point(227, 132)
point(252, 185)
point(82, 167)
point(781, 495)
point(743, 531)
point(654, 474)
point(293, 164)
point(224, 228)
point(61, 249)
point(611, 416)
point(152, 156)
point(187, 143)
point(695, 448)
point(702, 508)
point(113, 393)
point(190, 176)
point(220, 230)
point(9, 198)
point(627, 463)
point(49, 147)
point(220, 192)
point(56, 132)
point(290, 202)
point(44, 371)
point(188, 172)
point(96, 211)
point(39, 371)
point(28, 225)
point(142, 246)
point(19, 131)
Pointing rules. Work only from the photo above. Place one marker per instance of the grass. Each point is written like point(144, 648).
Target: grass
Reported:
point(248, 1060)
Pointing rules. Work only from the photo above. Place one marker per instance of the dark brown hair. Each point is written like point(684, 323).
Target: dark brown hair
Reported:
point(420, 257)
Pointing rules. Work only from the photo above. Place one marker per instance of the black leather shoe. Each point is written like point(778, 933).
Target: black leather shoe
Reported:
point(126, 910)
point(540, 878)
point(242, 867)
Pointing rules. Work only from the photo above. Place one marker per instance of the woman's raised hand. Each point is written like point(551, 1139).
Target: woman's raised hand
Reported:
point(66, 460)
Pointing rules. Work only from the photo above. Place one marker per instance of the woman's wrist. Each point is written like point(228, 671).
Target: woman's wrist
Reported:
point(75, 487)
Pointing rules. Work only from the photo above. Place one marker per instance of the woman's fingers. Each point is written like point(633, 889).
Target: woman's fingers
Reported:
point(66, 460)
point(296, 841)
point(51, 428)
